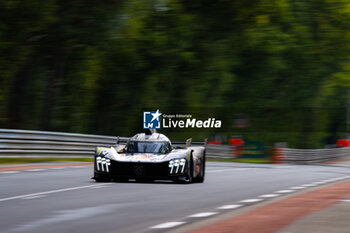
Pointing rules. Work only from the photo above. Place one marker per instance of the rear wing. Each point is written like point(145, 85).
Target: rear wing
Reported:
point(178, 144)
point(188, 143)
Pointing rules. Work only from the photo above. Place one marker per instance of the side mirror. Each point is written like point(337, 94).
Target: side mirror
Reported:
point(188, 142)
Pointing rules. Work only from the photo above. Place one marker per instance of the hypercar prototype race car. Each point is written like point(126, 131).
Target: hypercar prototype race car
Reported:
point(150, 156)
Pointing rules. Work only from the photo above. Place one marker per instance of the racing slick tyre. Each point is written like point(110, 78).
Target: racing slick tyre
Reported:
point(121, 180)
point(99, 180)
point(144, 180)
point(200, 179)
point(189, 176)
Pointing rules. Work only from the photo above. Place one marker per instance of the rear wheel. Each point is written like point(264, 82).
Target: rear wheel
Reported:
point(144, 180)
point(200, 178)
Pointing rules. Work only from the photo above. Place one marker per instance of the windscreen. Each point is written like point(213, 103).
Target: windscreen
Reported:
point(148, 147)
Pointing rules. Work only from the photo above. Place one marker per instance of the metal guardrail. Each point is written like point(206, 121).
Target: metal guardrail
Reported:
point(212, 151)
point(219, 151)
point(309, 156)
point(28, 143)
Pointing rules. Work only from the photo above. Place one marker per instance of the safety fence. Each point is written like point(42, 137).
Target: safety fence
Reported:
point(308, 156)
point(28, 143)
point(219, 151)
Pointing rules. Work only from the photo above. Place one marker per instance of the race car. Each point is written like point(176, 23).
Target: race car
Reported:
point(150, 156)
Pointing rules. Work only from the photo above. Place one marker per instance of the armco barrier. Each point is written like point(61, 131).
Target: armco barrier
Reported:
point(28, 143)
point(309, 156)
point(219, 151)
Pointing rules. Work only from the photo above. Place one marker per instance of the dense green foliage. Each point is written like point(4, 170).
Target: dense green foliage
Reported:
point(93, 67)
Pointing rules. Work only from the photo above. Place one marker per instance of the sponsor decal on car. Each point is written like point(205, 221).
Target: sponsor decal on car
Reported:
point(141, 157)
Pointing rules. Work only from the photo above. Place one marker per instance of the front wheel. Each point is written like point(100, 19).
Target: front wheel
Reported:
point(189, 174)
point(144, 180)
point(121, 180)
point(99, 180)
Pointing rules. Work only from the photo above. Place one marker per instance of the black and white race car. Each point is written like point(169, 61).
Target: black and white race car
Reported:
point(150, 156)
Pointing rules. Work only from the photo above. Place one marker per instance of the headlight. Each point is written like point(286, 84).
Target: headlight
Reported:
point(177, 166)
point(102, 164)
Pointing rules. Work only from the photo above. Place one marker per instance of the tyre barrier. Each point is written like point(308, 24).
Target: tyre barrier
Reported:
point(278, 155)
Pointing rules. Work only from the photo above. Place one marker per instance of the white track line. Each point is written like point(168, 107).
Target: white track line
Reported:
point(285, 191)
point(35, 170)
point(202, 215)
point(250, 200)
point(57, 168)
point(167, 225)
point(308, 185)
point(49, 192)
point(33, 197)
point(229, 207)
point(336, 179)
point(9, 172)
point(329, 180)
point(269, 195)
point(99, 187)
point(279, 167)
point(217, 171)
point(319, 182)
point(235, 206)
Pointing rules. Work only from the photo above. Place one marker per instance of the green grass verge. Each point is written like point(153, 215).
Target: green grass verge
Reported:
point(262, 160)
point(40, 160)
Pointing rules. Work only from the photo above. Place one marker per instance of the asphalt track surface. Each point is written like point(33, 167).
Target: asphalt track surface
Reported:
point(66, 200)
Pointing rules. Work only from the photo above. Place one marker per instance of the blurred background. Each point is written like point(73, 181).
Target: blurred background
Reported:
point(272, 71)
